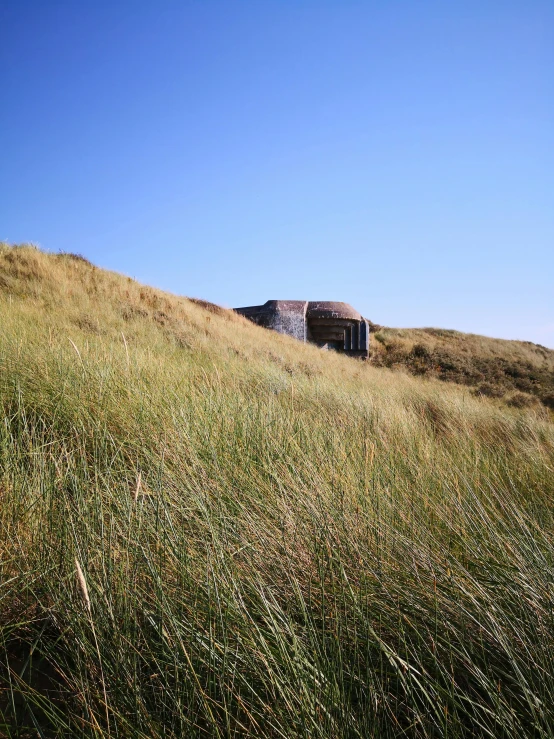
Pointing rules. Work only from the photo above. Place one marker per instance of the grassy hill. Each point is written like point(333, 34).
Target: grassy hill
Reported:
point(210, 530)
point(519, 372)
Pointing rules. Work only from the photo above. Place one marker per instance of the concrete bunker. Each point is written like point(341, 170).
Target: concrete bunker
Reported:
point(330, 325)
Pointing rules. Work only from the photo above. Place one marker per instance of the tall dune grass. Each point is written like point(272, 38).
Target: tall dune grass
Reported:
point(209, 530)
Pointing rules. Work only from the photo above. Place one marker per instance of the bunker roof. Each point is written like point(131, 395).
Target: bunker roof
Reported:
point(332, 309)
point(311, 309)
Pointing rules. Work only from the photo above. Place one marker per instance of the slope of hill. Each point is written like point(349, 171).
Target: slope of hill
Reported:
point(210, 530)
point(520, 372)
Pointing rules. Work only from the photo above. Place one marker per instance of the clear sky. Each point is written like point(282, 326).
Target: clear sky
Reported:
point(396, 155)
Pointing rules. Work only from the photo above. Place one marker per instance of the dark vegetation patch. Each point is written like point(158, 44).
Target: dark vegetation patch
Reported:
point(32, 689)
point(211, 307)
point(131, 312)
point(522, 400)
point(89, 324)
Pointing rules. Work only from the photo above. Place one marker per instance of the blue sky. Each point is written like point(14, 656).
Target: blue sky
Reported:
point(397, 155)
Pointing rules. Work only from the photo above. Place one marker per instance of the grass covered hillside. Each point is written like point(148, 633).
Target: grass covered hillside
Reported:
point(518, 372)
point(211, 530)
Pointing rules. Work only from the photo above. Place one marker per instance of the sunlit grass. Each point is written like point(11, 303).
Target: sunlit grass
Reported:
point(210, 530)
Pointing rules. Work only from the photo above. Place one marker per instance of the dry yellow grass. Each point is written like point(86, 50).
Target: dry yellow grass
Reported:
point(101, 303)
point(276, 541)
point(475, 344)
point(519, 372)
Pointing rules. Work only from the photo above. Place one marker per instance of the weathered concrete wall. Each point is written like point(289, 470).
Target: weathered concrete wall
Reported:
point(289, 317)
point(285, 316)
